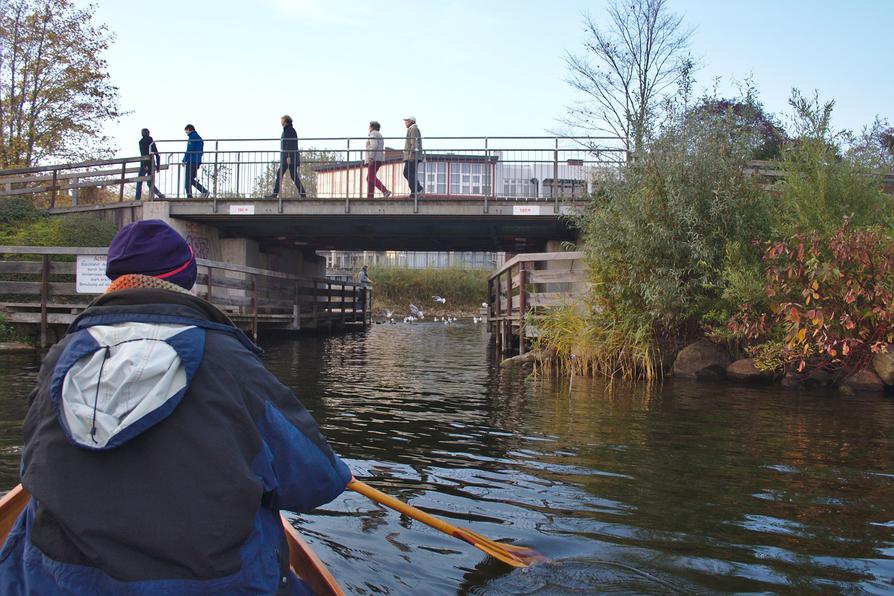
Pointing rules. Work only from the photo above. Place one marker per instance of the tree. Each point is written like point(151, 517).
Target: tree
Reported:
point(627, 68)
point(55, 90)
point(746, 121)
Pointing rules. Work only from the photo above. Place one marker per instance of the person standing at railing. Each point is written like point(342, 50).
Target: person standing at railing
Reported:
point(365, 283)
point(375, 155)
point(289, 158)
point(192, 159)
point(148, 149)
point(412, 155)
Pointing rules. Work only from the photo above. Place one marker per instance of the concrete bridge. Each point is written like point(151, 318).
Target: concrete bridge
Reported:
point(508, 194)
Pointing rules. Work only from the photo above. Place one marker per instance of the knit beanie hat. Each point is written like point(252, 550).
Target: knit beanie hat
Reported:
point(152, 247)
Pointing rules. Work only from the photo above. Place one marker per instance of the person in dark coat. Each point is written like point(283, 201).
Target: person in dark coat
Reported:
point(158, 450)
point(148, 149)
point(192, 159)
point(289, 158)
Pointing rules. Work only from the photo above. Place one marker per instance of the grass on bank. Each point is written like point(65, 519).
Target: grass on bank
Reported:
point(395, 288)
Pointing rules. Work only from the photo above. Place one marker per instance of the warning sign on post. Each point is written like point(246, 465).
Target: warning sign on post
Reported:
point(90, 277)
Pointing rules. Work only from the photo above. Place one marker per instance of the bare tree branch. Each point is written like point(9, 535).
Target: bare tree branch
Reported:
point(627, 68)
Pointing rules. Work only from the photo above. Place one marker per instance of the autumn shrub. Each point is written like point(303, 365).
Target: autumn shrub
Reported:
point(831, 302)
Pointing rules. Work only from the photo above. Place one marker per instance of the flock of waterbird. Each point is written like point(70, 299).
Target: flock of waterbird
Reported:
point(417, 314)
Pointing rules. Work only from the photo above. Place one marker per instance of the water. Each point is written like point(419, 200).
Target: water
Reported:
point(687, 488)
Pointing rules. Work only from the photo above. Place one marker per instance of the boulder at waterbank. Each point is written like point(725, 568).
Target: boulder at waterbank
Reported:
point(744, 371)
point(883, 365)
point(701, 360)
point(865, 381)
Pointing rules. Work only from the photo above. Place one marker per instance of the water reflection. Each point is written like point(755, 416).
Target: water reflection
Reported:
point(682, 487)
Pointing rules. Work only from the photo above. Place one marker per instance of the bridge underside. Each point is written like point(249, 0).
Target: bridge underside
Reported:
point(383, 225)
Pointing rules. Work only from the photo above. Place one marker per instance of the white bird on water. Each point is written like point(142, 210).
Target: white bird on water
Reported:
point(439, 299)
point(388, 313)
point(417, 312)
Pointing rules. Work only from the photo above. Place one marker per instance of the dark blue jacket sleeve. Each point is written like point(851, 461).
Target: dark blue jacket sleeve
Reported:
point(298, 467)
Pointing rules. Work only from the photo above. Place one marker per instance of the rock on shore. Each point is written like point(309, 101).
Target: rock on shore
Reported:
point(702, 360)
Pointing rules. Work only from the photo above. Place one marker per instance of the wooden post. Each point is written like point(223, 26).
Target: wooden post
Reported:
point(121, 184)
point(53, 190)
point(507, 322)
point(44, 291)
point(522, 306)
point(315, 282)
point(497, 325)
point(296, 308)
point(254, 308)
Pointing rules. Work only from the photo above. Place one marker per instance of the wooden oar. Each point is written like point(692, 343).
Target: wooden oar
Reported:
point(517, 556)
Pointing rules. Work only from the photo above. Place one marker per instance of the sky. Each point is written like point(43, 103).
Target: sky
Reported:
point(461, 67)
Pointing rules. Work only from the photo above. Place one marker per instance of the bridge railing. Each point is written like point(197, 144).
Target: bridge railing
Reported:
point(457, 168)
point(42, 286)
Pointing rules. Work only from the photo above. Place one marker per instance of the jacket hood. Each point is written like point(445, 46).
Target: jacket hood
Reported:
point(115, 381)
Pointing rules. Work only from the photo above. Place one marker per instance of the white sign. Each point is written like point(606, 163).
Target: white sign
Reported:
point(90, 275)
point(242, 209)
point(526, 210)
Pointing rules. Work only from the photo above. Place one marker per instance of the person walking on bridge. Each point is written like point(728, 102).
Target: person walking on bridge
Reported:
point(158, 449)
point(289, 158)
point(192, 159)
point(375, 155)
point(148, 149)
point(412, 155)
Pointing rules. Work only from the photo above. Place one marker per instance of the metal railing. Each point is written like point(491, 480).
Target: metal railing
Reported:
point(456, 168)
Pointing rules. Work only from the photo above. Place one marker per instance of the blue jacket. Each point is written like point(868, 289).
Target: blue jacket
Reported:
point(194, 148)
point(158, 452)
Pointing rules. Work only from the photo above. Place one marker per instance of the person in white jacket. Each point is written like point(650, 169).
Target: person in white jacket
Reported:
point(375, 155)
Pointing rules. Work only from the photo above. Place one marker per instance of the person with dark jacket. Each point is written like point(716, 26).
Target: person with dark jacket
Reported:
point(158, 450)
point(289, 158)
point(192, 159)
point(148, 149)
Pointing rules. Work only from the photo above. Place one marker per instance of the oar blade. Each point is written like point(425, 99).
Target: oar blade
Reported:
point(517, 556)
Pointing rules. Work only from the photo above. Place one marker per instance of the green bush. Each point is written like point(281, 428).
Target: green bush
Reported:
point(14, 210)
point(670, 245)
point(829, 175)
point(70, 230)
point(397, 288)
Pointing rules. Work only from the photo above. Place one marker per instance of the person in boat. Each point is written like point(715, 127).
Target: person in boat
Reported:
point(158, 449)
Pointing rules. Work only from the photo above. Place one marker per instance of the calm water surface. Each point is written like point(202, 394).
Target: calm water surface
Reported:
point(685, 488)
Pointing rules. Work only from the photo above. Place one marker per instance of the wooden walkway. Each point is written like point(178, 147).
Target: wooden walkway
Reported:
point(38, 286)
point(525, 287)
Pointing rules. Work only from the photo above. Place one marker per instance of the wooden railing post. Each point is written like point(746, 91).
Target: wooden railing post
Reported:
point(254, 308)
point(54, 190)
point(296, 308)
point(522, 306)
point(315, 282)
point(121, 184)
point(44, 291)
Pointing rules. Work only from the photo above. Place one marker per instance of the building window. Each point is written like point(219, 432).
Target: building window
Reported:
point(435, 177)
point(519, 187)
point(469, 179)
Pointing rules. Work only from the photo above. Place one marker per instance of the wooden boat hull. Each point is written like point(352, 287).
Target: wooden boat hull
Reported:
point(305, 562)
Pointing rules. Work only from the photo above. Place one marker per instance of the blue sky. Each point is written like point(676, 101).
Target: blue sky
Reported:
point(462, 67)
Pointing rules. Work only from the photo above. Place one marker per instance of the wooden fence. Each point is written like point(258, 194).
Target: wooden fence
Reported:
point(38, 286)
point(61, 180)
point(527, 285)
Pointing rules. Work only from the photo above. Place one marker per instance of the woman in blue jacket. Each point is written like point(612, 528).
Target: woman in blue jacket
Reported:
point(158, 449)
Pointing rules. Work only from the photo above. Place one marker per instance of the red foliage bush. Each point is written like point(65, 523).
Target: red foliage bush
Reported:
point(831, 301)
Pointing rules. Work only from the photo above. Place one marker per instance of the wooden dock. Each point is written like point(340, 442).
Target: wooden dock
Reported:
point(526, 286)
point(38, 287)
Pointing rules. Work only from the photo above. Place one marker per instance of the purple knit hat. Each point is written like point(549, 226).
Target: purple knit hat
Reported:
point(152, 247)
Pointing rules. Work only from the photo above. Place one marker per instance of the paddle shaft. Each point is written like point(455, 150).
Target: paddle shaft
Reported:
point(408, 510)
